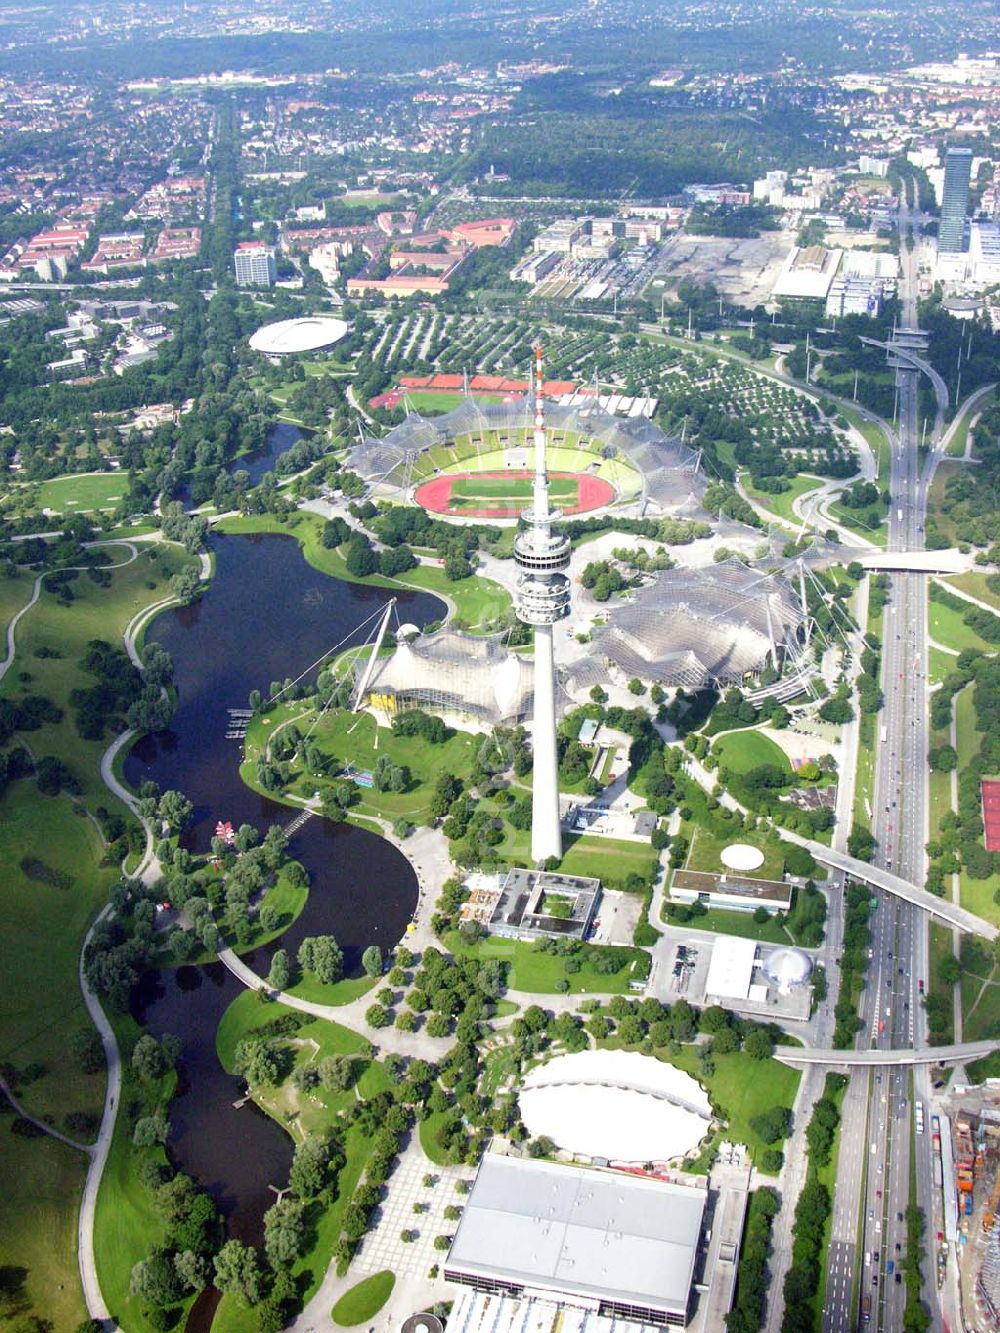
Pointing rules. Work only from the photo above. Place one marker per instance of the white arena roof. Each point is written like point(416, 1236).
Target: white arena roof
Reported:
point(617, 1105)
point(618, 1241)
point(298, 335)
point(731, 969)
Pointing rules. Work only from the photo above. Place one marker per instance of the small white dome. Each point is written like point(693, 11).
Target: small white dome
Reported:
point(787, 967)
point(407, 631)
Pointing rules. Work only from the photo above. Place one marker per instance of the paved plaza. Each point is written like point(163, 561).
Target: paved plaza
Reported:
point(382, 1247)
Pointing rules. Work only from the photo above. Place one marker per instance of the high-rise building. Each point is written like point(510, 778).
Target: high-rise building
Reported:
point(543, 592)
point(954, 200)
point(254, 264)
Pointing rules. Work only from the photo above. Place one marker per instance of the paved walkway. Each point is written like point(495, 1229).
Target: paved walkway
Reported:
point(96, 1307)
point(382, 1247)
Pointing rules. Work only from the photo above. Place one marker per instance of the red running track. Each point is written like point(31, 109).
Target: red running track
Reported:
point(990, 789)
point(435, 495)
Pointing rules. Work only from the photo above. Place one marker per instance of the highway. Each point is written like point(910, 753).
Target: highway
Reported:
point(874, 1171)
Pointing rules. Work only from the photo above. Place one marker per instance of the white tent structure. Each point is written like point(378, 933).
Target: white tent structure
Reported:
point(617, 1105)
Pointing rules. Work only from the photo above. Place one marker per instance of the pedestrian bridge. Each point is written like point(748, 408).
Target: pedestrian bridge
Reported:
point(902, 888)
point(921, 1055)
point(916, 562)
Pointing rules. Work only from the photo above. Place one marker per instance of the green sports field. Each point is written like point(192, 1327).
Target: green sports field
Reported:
point(561, 489)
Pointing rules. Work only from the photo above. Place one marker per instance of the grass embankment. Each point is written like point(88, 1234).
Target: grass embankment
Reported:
point(976, 584)
point(533, 970)
point(958, 442)
point(303, 1115)
point(743, 750)
point(939, 1003)
point(476, 600)
point(364, 1301)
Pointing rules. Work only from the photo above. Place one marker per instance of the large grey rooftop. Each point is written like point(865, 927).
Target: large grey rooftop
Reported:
point(595, 1233)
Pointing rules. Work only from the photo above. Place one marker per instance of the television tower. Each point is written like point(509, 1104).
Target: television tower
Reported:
point(543, 594)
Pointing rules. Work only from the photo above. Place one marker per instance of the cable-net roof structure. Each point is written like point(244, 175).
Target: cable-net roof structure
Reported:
point(474, 675)
point(670, 473)
point(697, 627)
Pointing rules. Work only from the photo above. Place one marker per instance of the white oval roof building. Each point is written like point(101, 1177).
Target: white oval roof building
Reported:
point(787, 968)
point(619, 1105)
point(298, 335)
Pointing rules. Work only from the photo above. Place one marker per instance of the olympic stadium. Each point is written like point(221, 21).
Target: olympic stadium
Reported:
point(476, 462)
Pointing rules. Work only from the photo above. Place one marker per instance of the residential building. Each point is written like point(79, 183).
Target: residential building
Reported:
point(254, 264)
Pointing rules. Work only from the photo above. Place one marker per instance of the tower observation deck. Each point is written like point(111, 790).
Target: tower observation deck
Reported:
point(543, 596)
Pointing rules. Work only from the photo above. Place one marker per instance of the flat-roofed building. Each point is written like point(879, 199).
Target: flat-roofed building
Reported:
point(807, 274)
point(617, 1244)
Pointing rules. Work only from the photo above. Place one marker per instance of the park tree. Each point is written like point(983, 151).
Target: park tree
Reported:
point(284, 1232)
point(371, 960)
point(322, 955)
point(155, 1278)
point(147, 1058)
point(311, 1168)
point(150, 1130)
point(336, 1073)
point(238, 1272)
point(279, 972)
point(174, 809)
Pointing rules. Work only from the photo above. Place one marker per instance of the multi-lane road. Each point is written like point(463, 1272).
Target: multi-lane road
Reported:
point(873, 1180)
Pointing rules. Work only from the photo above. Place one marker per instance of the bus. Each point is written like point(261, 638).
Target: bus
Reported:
point(885, 734)
point(918, 1113)
point(866, 1309)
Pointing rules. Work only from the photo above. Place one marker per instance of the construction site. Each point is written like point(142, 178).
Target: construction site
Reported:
point(966, 1150)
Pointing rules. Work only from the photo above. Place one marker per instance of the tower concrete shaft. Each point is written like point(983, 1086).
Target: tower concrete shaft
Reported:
point(543, 595)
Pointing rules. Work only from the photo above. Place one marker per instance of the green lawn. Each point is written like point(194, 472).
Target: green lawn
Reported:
point(743, 750)
point(41, 1182)
point(741, 1089)
point(532, 970)
point(83, 491)
point(561, 489)
point(875, 436)
point(356, 739)
point(941, 665)
point(126, 1225)
point(364, 1301)
point(781, 505)
point(706, 849)
point(50, 890)
point(429, 1129)
point(948, 628)
point(15, 590)
point(51, 884)
point(771, 931)
point(312, 1113)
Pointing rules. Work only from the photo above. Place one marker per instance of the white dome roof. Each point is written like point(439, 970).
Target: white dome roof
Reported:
point(787, 967)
